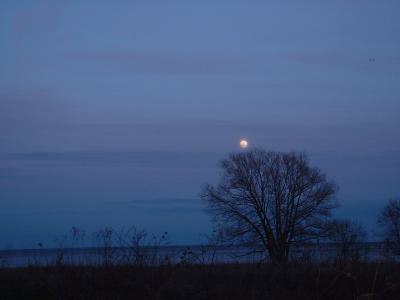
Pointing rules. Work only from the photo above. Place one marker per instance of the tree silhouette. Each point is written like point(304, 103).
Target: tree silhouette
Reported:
point(270, 200)
point(347, 236)
point(389, 219)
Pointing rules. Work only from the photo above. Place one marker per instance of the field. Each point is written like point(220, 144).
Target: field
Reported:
point(216, 281)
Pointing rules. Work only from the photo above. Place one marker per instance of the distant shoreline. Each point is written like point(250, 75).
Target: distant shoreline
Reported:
point(175, 254)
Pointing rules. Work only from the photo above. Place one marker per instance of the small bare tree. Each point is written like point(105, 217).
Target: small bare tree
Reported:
point(104, 239)
point(138, 248)
point(270, 200)
point(347, 236)
point(389, 220)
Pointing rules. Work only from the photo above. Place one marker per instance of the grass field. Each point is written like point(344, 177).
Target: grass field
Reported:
point(243, 281)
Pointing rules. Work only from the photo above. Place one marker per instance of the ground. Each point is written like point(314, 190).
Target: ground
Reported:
point(325, 282)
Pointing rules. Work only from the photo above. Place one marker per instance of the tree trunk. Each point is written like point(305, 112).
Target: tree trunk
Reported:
point(279, 255)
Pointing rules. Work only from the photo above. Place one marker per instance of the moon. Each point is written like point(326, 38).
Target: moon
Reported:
point(243, 143)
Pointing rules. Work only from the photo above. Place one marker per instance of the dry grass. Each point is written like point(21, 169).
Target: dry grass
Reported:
point(296, 281)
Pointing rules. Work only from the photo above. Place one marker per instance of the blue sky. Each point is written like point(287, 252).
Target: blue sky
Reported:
point(117, 112)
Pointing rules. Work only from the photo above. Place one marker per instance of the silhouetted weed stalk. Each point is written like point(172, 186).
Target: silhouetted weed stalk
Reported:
point(136, 247)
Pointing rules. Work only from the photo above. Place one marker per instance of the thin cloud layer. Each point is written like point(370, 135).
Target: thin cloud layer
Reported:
point(167, 63)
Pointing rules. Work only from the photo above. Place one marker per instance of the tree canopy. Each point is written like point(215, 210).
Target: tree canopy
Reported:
point(271, 200)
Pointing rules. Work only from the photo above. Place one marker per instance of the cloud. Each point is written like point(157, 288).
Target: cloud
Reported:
point(124, 158)
point(21, 107)
point(38, 17)
point(31, 118)
point(352, 60)
point(9, 173)
point(165, 204)
point(167, 63)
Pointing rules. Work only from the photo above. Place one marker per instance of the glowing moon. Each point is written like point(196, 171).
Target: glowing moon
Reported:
point(243, 143)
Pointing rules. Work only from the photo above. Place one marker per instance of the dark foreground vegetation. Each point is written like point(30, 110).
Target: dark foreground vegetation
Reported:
point(243, 281)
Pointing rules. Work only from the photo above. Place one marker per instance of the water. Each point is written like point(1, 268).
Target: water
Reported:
point(170, 254)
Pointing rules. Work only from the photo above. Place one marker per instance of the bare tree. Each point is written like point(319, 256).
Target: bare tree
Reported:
point(270, 200)
point(347, 236)
point(137, 248)
point(389, 219)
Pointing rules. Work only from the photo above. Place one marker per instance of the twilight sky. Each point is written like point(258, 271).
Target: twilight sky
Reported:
point(117, 112)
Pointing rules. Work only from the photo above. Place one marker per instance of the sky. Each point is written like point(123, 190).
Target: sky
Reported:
point(116, 113)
